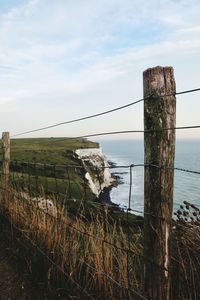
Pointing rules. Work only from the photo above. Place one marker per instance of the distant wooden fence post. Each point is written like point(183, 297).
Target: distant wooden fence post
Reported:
point(5, 166)
point(159, 148)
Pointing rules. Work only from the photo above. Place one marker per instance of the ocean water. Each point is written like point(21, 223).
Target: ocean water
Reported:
point(126, 152)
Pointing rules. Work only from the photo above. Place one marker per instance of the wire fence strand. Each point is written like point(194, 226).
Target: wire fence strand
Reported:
point(102, 113)
point(45, 192)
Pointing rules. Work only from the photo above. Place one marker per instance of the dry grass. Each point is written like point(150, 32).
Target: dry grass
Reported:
point(186, 261)
point(186, 253)
point(102, 257)
point(99, 256)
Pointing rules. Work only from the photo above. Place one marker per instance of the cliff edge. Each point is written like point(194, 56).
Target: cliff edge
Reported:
point(97, 169)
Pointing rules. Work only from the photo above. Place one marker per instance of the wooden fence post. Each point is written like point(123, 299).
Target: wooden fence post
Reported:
point(5, 166)
point(159, 148)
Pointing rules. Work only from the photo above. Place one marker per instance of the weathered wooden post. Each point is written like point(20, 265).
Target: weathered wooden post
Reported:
point(159, 148)
point(5, 166)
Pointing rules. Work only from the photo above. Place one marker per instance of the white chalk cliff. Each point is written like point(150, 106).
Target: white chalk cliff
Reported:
point(97, 169)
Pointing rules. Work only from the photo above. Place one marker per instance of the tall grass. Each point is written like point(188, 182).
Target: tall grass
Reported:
point(92, 254)
point(186, 261)
point(101, 257)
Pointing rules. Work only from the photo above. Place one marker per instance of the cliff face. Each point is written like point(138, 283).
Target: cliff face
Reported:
point(97, 172)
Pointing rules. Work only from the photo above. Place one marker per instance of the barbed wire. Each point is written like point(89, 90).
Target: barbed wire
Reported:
point(126, 250)
point(112, 167)
point(133, 132)
point(102, 113)
point(81, 119)
point(85, 233)
point(70, 225)
point(187, 91)
point(110, 205)
point(162, 167)
point(125, 210)
point(64, 166)
point(54, 140)
point(128, 209)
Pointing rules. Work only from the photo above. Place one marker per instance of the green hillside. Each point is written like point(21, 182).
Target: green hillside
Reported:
point(48, 150)
point(50, 167)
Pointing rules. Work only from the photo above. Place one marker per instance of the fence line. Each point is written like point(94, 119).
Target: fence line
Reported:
point(185, 226)
point(132, 165)
point(103, 113)
point(134, 131)
point(125, 132)
point(110, 205)
point(25, 165)
point(70, 225)
point(107, 167)
point(81, 119)
point(24, 183)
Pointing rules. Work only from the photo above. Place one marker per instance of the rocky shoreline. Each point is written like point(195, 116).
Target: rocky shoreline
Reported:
point(93, 159)
point(104, 196)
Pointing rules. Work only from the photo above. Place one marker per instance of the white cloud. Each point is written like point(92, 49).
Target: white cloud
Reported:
point(22, 10)
point(57, 50)
point(193, 29)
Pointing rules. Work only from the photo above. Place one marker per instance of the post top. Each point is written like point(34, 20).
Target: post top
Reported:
point(159, 81)
point(5, 133)
point(159, 69)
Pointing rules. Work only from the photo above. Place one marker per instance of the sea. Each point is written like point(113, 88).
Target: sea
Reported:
point(127, 152)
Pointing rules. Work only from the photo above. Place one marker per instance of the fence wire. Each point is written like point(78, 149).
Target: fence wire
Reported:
point(49, 192)
point(94, 243)
point(37, 189)
point(103, 113)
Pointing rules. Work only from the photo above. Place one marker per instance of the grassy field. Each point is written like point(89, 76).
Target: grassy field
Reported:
point(48, 150)
point(49, 167)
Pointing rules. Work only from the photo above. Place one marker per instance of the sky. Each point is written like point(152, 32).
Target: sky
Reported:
point(66, 59)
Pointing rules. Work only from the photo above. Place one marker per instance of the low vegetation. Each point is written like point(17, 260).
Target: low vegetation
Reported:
point(98, 256)
point(57, 151)
point(50, 163)
point(87, 249)
point(94, 255)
